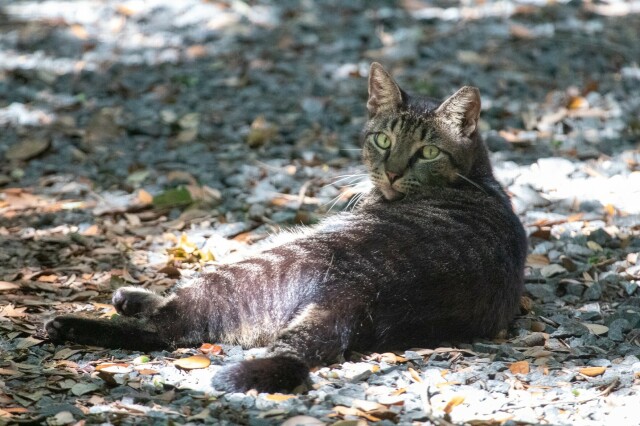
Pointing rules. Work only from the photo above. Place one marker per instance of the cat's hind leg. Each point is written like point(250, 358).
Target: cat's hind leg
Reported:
point(315, 336)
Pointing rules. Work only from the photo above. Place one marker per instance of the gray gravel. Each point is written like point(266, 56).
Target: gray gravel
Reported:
point(259, 104)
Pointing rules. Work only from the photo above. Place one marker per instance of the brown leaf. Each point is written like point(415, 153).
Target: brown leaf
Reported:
point(114, 368)
point(170, 271)
point(9, 372)
point(520, 367)
point(6, 286)
point(26, 149)
point(11, 311)
point(537, 260)
point(193, 362)
point(578, 102)
point(147, 372)
point(66, 353)
point(347, 411)
point(414, 375)
point(144, 197)
point(596, 328)
point(455, 401)
point(261, 131)
point(48, 278)
point(592, 371)
point(208, 348)
point(79, 31)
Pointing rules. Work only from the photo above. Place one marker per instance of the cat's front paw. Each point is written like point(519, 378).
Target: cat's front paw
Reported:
point(132, 301)
point(61, 329)
point(277, 374)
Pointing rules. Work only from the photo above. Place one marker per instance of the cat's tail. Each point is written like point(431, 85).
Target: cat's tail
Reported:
point(279, 373)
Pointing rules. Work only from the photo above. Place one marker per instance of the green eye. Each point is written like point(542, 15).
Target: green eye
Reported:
point(430, 152)
point(381, 140)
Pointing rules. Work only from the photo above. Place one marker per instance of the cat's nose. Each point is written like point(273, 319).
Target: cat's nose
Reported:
point(393, 176)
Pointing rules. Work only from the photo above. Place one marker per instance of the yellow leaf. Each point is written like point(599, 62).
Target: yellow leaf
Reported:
point(144, 197)
point(578, 102)
point(278, 397)
point(455, 401)
point(80, 32)
point(594, 246)
point(520, 367)
point(192, 362)
point(48, 278)
point(414, 375)
point(592, 371)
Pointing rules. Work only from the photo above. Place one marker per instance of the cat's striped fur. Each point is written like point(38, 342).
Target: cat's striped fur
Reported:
point(434, 253)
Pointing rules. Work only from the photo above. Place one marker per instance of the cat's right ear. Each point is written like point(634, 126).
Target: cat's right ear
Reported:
point(384, 93)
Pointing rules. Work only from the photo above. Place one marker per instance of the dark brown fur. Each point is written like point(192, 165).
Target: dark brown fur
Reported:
point(434, 253)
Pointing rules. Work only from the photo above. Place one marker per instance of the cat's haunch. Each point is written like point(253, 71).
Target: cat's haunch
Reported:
point(434, 252)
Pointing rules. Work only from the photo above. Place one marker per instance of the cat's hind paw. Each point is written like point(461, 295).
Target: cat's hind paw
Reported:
point(132, 301)
point(276, 374)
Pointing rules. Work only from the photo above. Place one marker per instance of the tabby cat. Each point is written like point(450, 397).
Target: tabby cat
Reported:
point(435, 252)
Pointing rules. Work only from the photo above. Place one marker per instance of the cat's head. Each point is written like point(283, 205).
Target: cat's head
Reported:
point(412, 144)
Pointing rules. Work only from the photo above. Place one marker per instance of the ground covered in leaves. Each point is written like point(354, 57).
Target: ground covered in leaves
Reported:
point(144, 141)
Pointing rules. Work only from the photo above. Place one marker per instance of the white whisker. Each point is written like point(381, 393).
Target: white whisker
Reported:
point(472, 183)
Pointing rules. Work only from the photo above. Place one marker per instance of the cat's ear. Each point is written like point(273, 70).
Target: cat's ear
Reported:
point(384, 93)
point(461, 111)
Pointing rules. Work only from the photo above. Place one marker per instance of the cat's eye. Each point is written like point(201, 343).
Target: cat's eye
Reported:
point(381, 140)
point(429, 152)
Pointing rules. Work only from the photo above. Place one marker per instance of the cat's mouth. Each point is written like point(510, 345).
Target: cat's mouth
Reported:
point(390, 194)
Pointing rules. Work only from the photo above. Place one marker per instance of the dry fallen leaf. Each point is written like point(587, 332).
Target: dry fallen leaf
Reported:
point(4, 286)
point(11, 311)
point(347, 411)
point(455, 401)
point(114, 368)
point(26, 149)
point(208, 348)
point(520, 367)
point(414, 375)
point(303, 421)
point(192, 362)
point(278, 397)
point(597, 329)
point(537, 260)
point(48, 278)
point(592, 371)
point(147, 372)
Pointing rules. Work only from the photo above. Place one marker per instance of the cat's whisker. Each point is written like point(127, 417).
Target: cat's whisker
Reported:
point(472, 183)
point(357, 198)
point(346, 178)
point(333, 202)
point(352, 201)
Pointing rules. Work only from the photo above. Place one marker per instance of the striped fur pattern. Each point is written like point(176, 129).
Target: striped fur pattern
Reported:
point(434, 253)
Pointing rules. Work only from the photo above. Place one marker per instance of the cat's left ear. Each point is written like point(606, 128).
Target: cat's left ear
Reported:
point(461, 111)
point(384, 93)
